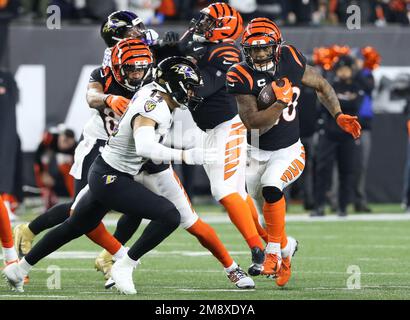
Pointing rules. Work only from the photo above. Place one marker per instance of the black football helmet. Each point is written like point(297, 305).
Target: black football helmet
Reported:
point(175, 76)
point(120, 25)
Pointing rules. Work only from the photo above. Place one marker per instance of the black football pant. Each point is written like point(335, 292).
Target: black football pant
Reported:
point(110, 189)
point(329, 150)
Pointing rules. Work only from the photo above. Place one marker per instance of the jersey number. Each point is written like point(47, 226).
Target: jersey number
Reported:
point(289, 114)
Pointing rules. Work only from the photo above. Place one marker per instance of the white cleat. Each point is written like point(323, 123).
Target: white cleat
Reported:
point(122, 276)
point(293, 244)
point(241, 279)
point(109, 283)
point(14, 276)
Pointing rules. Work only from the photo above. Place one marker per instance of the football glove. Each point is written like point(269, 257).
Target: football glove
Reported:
point(283, 90)
point(349, 124)
point(117, 103)
point(199, 156)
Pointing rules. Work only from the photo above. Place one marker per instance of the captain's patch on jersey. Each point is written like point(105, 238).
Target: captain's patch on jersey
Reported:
point(149, 105)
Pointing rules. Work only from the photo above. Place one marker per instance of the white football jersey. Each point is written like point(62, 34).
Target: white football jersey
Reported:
point(119, 151)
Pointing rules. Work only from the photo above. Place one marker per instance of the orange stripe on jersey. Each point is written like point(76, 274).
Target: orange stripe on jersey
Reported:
point(238, 132)
point(229, 53)
point(232, 59)
point(295, 56)
point(108, 83)
point(220, 49)
point(246, 74)
point(232, 154)
point(233, 143)
point(236, 125)
point(183, 189)
point(234, 74)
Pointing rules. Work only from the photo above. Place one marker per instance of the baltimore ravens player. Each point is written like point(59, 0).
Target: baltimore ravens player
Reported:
point(277, 157)
point(111, 183)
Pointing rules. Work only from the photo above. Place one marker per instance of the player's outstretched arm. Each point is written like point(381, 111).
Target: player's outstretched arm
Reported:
point(146, 146)
point(253, 118)
point(327, 96)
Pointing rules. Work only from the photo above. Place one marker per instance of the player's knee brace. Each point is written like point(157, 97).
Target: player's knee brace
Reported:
point(271, 194)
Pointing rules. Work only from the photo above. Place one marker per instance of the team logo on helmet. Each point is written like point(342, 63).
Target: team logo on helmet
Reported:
point(186, 71)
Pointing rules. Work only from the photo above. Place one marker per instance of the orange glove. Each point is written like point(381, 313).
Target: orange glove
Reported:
point(117, 103)
point(283, 90)
point(349, 124)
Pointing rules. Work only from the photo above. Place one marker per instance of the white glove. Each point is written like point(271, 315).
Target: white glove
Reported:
point(200, 156)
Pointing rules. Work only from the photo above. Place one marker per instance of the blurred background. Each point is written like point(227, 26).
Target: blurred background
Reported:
point(44, 74)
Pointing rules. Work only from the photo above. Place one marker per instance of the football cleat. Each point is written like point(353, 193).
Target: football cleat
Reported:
point(14, 277)
point(103, 263)
point(23, 239)
point(285, 271)
point(258, 257)
point(122, 276)
point(272, 265)
point(109, 283)
point(6, 263)
point(241, 279)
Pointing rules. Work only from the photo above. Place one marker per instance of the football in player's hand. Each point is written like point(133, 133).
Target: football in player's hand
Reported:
point(267, 96)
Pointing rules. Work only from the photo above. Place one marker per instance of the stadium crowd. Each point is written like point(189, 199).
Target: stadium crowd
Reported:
point(296, 12)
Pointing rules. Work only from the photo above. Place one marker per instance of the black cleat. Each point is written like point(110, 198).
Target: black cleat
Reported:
point(258, 257)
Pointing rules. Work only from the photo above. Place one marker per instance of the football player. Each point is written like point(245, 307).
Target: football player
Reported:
point(277, 157)
point(211, 45)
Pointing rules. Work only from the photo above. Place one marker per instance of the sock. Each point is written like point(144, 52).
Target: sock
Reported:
point(207, 236)
point(10, 254)
point(52, 217)
point(232, 267)
point(274, 248)
point(241, 216)
point(103, 238)
point(261, 230)
point(120, 253)
point(127, 261)
point(25, 266)
point(274, 214)
point(6, 234)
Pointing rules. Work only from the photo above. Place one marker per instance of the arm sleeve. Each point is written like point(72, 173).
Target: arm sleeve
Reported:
point(146, 146)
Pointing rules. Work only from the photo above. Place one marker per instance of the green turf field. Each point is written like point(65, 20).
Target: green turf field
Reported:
point(181, 269)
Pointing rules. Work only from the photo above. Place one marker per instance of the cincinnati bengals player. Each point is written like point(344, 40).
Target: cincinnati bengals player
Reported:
point(277, 157)
point(213, 49)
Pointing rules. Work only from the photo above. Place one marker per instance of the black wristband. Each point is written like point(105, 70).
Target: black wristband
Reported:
point(105, 99)
point(338, 114)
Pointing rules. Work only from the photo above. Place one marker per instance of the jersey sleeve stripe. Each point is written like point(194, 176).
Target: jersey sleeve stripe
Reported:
point(295, 55)
point(246, 74)
point(220, 49)
point(234, 74)
point(108, 83)
point(229, 53)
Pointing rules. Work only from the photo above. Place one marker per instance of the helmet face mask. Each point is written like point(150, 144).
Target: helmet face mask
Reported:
point(203, 28)
point(218, 22)
point(131, 63)
point(261, 44)
point(261, 57)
